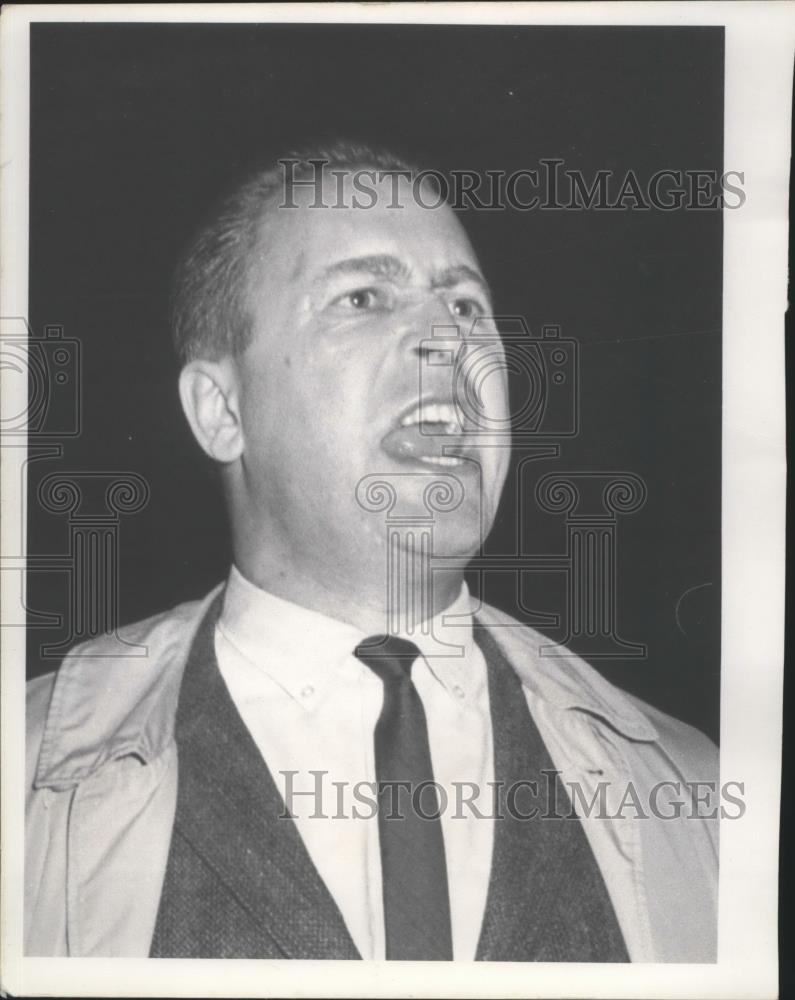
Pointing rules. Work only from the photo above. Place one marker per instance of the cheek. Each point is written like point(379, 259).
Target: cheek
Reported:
point(313, 402)
point(501, 400)
point(494, 390)
point(275, 393)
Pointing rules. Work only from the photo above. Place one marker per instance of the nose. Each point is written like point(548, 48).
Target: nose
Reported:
point(434, 352)
point(430, 331)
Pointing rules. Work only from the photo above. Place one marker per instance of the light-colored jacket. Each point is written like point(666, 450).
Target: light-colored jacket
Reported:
point(102, 780)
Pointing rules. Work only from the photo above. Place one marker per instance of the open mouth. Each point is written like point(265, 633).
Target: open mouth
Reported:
point(430, 433)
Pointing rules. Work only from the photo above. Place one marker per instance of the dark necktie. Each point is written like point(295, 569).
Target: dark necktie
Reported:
point(416, 899)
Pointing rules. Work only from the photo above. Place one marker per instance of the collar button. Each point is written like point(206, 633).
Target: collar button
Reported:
point(308, 691)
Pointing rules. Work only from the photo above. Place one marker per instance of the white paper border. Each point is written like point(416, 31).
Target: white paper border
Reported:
point(760, 41)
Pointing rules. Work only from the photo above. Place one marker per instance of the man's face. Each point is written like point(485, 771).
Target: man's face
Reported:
point(342, 300)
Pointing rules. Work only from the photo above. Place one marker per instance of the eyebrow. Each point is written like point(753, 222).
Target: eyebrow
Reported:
point(387, 266)
point(377, 266)
point(457, 275)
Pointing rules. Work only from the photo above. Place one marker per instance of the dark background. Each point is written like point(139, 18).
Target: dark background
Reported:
point(135, 128)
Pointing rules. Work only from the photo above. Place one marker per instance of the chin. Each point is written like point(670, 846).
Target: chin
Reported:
point(459, 536)
point(448, 508)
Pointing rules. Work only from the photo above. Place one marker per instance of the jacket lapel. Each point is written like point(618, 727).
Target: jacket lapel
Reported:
point(546, 900)
point(239, 880)
point(507, 893)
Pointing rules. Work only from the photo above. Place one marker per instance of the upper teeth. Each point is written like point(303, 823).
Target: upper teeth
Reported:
point(433, 413)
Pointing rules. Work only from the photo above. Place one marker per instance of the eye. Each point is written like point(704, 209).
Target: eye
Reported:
point(465, 308)
point(360, 299)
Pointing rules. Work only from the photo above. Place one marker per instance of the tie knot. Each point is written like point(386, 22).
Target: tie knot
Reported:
point(388, 656)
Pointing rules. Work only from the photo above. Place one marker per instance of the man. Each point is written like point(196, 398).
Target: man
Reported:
point(209, 800)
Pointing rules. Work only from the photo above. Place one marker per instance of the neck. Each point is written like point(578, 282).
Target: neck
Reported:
point(411, 599)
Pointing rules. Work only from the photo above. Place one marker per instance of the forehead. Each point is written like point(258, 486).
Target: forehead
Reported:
point(362, 216)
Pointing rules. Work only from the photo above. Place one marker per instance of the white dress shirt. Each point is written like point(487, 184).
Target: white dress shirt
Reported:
point(311, 707)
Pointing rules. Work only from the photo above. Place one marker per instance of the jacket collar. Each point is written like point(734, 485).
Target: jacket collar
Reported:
point(565, 681)
point(105, 706)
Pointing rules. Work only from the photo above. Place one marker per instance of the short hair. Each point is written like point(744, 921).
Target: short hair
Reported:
point(209, 311)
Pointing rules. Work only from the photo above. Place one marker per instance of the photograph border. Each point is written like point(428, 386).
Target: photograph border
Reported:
point(759, 46)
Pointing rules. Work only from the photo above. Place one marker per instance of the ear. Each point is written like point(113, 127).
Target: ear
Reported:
point(209, 394)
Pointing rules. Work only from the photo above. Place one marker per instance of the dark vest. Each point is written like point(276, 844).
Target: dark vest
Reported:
point(239, 882)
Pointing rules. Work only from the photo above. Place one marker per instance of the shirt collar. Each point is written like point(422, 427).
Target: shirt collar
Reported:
point(303, 651)
point(447, 643)
point(300, 649)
